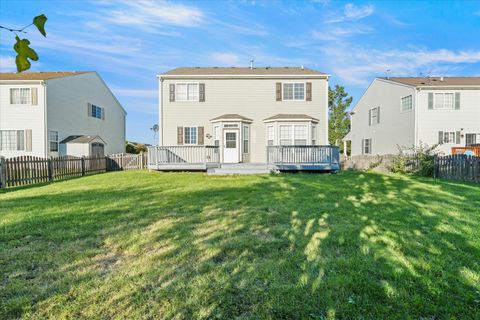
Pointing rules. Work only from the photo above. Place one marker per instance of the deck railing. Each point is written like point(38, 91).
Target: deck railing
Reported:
point(461, 150)
point(286, 156)
point(182, 156)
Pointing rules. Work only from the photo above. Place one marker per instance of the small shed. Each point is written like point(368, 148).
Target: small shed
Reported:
point(82, 145)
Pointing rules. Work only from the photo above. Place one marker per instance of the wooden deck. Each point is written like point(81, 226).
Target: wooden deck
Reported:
point(461, 150)
point(303, 158)
point(183, 158)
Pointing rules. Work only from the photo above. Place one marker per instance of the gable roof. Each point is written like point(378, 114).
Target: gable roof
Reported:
point(80, 139)
point(38, 75)
point(436, 81)
point(231, 116)
point(242, 71)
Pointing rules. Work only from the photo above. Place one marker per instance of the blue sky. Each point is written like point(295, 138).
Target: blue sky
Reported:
point(130, 42)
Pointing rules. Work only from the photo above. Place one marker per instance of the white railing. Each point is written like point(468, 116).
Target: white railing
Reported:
point(183, 155)
point(304, 155)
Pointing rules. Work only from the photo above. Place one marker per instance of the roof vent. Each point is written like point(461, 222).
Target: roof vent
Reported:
point(302, 67)
point(252, 63)
point(441, 78)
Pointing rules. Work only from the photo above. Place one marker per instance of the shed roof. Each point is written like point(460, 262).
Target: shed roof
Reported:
point(80, 139)
point(231, 116)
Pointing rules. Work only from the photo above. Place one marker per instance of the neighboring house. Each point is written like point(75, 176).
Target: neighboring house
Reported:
point(409, 112)
point(59, 113)
point(243, 110)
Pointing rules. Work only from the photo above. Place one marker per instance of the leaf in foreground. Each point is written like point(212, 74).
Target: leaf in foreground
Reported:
point(39, 22)
point(24, 52)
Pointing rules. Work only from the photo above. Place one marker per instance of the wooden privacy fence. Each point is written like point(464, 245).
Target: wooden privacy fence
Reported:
point(457, 167)
point(25, 170)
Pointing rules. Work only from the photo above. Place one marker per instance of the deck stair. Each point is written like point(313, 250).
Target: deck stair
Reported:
point(239, 168)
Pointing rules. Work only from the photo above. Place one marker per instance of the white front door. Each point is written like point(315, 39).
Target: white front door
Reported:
point(231, 149)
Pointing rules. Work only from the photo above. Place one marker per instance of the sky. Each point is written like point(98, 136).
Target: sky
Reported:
point(129, 42)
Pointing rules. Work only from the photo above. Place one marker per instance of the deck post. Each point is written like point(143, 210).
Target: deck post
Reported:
point(50, 169)
point(83, 165)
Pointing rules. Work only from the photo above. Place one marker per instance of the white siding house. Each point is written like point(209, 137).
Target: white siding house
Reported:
point(409, 112)
point(45, 113)
point(242, 110)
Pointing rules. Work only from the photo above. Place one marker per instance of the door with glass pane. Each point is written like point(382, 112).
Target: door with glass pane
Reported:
point(231, 150)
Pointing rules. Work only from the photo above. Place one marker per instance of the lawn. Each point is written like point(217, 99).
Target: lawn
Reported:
point(132, 245)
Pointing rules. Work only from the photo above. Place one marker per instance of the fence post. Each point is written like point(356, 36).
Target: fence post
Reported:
point(3, 173)
point(83, 165)
point(50, 169)
point(141, 160)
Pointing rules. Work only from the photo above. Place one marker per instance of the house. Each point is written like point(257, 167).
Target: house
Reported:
point(243, 110)
point(410, 112)
point(49, 114)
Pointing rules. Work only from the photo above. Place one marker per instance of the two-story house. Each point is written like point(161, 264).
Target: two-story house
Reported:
point(243, 110)
point(410, 112)
point(48, 114)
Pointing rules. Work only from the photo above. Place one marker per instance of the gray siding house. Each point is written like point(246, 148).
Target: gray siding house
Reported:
point(243, 110)
point(409, 112)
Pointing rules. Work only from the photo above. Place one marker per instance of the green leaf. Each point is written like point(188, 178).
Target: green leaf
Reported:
point(24, 52)
point(39, 22)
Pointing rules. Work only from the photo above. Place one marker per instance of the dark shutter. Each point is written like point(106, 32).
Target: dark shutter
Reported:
point(440, 137)
point(430, 100)
point(172, 92)
point(370, 117)
point(279, 91)
point(378, 114)
point(457, 100)
point(363, 146)
point(201, 94)
point(89, 109)
point(179, 135)
point(200, 135)
point(28, 140)
point(103, 113)
point(457, 137)
point(309, 91)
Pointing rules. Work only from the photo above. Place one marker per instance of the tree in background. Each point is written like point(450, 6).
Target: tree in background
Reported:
point(132, 147)
point(22, 46)
point(339, 121)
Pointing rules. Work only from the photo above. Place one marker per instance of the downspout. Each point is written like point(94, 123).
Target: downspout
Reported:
point(160, 110)
point(326, 112)
point(45, 118)
point(416, 142)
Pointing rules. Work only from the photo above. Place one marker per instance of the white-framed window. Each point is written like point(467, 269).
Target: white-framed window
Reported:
point(407, 104)
point(97, 112)
point(314, 134)
point(246, 138)
point(472, 138)
point(270, 135)
point(187, 91)
point(366, 146)
point(230, 125)
point(300, 135)
point(216, 135)
point(189, 135)
point(285, 134)
point(53, 140)
point(448, 137)
point(293, 91)
point(443, 101)
point(12, 140)
point(20, 96)
point(374, 116)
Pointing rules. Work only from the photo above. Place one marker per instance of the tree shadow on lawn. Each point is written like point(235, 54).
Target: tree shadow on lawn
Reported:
point(291, 246)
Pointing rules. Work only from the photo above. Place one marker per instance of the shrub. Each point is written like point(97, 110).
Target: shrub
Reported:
point(419, 161)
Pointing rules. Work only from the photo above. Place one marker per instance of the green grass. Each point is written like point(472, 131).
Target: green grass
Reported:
point(132, 245)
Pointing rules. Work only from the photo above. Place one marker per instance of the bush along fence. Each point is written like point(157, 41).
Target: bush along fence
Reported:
point(457, 167)
point(25, 170)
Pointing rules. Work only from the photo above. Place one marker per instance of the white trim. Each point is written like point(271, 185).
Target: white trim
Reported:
point(401, 103)
point(231, 120)
point(326, 142)
point(293, 88)
point(234, 76)
point(291, 120)
point(186, 83)
point(29, 100)
point(50, 141)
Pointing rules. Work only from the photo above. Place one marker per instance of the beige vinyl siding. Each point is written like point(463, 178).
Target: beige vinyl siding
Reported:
point(250, 97)
point(395, 127)
point(24, 117)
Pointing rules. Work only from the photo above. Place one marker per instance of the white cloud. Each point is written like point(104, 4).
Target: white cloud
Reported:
point(226, 59)
point(353, 12)
point(7, 63)
point(340, 32)
point(136, 93)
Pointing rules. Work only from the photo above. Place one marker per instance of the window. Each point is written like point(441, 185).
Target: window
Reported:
point(230, 125)
point(300, 135)
point(294, 91)
point(407, 104)
point(270, 135)
point(374, 116)
point(443, 101)
point(230, 140)
point(448, 137)
point(12, 140)
point(367, 146)
point(286, 135)
point(216, 135)
point(472, 138)
point(20, 96)
point(190, 135)
point(97, 112)
point(314, 134)
point(186, 91)
point(53, 138)
point(246, 137)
